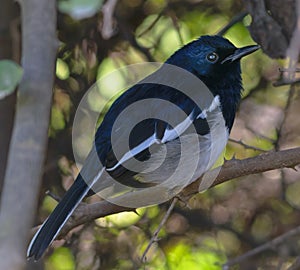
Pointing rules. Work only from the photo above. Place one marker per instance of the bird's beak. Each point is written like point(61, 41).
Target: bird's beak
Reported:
point(239, 53)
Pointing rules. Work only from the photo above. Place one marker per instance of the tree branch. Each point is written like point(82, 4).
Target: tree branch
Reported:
point(231, 169)
point(30, 132)
point(239, 17)
point(269, 245)
point(108, 29)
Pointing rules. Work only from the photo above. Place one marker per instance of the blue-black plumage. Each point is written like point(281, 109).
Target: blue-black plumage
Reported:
point(212, 59)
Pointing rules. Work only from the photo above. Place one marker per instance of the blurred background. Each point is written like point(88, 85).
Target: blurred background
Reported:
point(97, 37)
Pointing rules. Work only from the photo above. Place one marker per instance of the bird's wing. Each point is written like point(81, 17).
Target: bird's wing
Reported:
point(150, 133)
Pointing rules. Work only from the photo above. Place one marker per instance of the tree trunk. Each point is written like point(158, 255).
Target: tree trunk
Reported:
point(29, 138)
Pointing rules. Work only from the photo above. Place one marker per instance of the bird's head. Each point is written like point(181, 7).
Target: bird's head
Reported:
point(212, 58)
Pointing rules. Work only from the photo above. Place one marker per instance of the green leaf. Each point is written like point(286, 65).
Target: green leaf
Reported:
point(61, 259)
point(62, 69)
point(80, 9)
point(57, 119)
point(10, 76)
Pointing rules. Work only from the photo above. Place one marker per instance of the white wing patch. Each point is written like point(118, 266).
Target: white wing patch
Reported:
point(215, 103)
point(169, 135)
point(134, 151)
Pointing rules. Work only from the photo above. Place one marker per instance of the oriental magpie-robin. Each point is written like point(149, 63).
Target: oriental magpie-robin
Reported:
point(162, 139)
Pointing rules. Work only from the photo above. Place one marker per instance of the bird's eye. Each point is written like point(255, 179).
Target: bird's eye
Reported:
point(212, 57)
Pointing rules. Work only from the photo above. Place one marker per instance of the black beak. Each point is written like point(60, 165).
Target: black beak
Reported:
point(239, 53)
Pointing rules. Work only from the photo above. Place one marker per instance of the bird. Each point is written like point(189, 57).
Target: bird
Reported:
point(171, 128)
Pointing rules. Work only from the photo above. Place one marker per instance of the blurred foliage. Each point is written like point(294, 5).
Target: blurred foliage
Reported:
point(61, 255)
point(10, 76)
point(221, 223)
point(80, 9)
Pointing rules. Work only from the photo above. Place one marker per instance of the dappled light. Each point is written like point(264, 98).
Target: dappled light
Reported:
point(96, 42)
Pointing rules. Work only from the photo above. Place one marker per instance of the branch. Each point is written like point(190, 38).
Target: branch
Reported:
point(231, 169)
point(176, 25)
point(293, 50)
point(292, 54)
point(239, 17)
point(154, 237)
point(30, 132)
point(108, 29)
point(295, 265)
point(287, 78)
point(126, 31)
point(269, 245)
point(152, 24)
point(246, 146)
point(286, 82)
point(265, 30)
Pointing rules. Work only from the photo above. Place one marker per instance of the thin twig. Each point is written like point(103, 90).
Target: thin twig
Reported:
point(152, 24)
point(292, 53)
point(247, 146)
point(155, 234)
point(288, 104)
point(262, 136)
point(293, 50)
point(176, 26)
point(289, 70)
point(53, 196)
point(234, 20)
point(128, 35)
point(108, 9)
point(269, 245)
point(286, 82)
point(295, 265)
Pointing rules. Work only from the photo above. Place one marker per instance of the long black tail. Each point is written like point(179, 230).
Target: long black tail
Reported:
point(54, 223)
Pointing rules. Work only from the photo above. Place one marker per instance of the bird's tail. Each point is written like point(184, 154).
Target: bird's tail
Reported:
point(54, 223)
